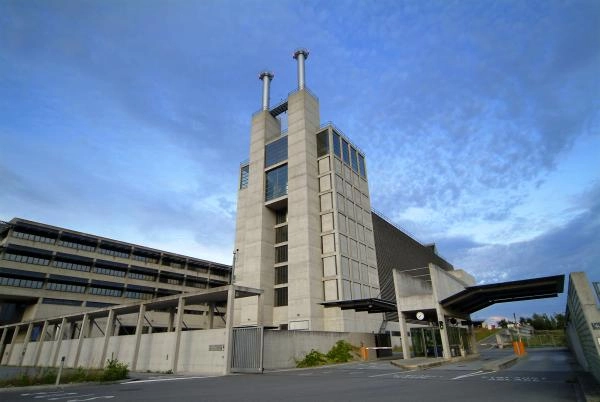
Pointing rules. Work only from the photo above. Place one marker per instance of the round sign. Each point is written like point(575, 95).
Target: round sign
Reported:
point(420, 316)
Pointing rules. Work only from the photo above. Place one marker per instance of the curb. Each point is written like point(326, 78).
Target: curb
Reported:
point(500, 364)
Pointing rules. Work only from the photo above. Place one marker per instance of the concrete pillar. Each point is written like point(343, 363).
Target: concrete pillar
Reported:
point(38, 350)
point(404, 334)
point(108, 331)
point(229, 328)
point(473, 340)
point(211, 315)
point(444, 334)
point(179, 322)
point(83, 330)
point(59, 339)
point(10, 347)
point(171, 320)
point(138, 336)
point(26, 343)
point(2, 340)
point(90, 327)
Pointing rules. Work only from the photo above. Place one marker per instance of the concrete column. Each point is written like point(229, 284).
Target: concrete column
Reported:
point(83, 330)
point(25, 343)
point(2, 340)
point(90, 327)
point(59, 338)
point(473, 339)
point(171, 320)
point(178, 324)
point(211, 315)
point(108, 331)
point(444, 334)
point(12, 344)
point(404, 335)
point(38, 350)
point(261, 309)
point(138, 336)
point(229, 328)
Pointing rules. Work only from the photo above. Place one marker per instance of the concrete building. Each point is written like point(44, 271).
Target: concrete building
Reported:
point(304, 228)
point(46, 271)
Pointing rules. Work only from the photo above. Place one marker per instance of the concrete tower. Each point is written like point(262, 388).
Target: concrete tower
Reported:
point(304, 231)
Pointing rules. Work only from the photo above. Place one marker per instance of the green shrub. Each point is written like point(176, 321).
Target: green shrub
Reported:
point(340, 352)
point(115, 370)
point(313, 358)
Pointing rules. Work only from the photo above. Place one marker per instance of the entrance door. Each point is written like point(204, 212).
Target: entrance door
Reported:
point(426, 342)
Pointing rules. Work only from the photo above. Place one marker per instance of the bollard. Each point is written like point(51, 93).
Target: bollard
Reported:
point(60, 369)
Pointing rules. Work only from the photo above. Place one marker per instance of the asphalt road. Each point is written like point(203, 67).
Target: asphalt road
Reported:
point(544, 375)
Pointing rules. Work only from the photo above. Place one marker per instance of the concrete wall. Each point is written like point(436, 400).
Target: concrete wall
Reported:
point(155, 354)
point(583, 323)
point(283, 348)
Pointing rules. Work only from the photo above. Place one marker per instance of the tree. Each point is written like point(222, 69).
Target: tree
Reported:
point(502, 323)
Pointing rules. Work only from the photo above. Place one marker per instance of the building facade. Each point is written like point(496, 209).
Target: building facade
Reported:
point(304, 230)
point(47, 271)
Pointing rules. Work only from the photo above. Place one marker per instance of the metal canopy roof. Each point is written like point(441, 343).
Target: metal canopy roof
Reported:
point(369, 305)
point(475, 298)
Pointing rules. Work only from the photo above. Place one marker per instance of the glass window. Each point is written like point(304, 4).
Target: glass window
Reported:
point(354, 159)
point(276, 185)
point(281, 275)
point(281, 254)
point(345, 152)
point(281, 297)
point(281, 234)
point(323, 143)
point(244, 174)
point(276, 151)
point(281, 216)
point(361, 165)
point(336, 145)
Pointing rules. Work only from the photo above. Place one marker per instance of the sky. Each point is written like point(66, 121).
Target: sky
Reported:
point(480, 120)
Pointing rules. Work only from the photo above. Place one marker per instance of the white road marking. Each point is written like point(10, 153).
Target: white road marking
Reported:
point(55, 394)
point(67, 395)
point(42, 393)
point(476, 373)
point(163, 379)
point(89, 399)
point(383, 375)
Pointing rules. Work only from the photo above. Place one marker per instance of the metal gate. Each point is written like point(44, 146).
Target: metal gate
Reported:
point(247, 351)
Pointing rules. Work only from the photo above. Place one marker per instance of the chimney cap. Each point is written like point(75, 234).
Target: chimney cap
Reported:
point(301, 51)
point(267, 74)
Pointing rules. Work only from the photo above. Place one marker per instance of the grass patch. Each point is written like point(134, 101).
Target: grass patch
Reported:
point(341, 352)
point(114, 370)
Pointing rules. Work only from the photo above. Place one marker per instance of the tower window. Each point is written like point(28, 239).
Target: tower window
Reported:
point(281, 275)
point(276, 185)
point(323, 143)
point(281, 234)
point(244, 175)
point(354, 160)
point(345, 152)
point(281, 216)
point(361, 165)
point(281, 254)
point(281, 297)
point(336, 145)
point(276, 151)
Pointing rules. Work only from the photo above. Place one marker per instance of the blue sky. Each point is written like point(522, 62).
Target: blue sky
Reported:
point(480, 120)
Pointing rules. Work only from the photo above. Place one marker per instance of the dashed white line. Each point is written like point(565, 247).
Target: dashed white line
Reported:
point(163, 379)
point(476, 373)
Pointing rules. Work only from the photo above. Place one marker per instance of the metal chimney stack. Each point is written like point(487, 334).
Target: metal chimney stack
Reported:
point(266, 77)
point(301, 55)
